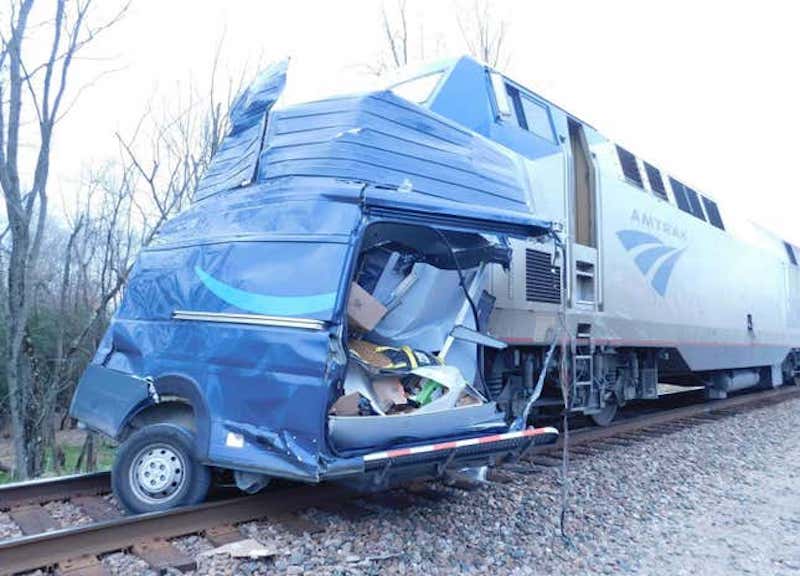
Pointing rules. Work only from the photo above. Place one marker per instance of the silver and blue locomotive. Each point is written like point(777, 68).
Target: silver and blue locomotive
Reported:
point(395, 284)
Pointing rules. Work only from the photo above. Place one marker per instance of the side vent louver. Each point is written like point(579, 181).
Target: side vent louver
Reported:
point(542, 279)
point(679, 191)
point(713, 213)
point(656, 182)
point(694, 203)
point(629, 167)
point(790, 253)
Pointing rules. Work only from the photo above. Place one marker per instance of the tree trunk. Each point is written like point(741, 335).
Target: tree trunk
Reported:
point(19, 385)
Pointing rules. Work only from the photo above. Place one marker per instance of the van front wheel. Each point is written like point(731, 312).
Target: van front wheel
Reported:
point(155, 470)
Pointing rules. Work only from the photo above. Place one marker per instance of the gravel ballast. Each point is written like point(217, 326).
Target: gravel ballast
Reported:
point(722, 497)
point(717, 498)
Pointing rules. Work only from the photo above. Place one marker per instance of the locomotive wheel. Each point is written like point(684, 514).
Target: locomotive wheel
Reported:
point(605, 416)
point(155, 470)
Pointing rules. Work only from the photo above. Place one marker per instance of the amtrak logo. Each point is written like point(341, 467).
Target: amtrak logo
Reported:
point(654, 259)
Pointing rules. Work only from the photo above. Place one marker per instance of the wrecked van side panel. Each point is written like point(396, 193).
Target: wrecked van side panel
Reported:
point(263, 388)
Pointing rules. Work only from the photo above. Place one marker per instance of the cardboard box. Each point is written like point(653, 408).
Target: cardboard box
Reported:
point(363, 310)
point(346, 405)
point(390, 392)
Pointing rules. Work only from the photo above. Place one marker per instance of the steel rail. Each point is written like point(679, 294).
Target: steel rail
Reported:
point(50, 548)
point(58, 488)
point(750, 400)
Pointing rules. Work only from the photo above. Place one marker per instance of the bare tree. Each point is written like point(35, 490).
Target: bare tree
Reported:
point(397, 35)
point(39, 87)
point(405, 39)
point(482, 29)
point(484, 33)
point(65, 273)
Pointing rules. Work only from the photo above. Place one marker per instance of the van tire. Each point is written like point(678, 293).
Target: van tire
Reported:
point(155, 469)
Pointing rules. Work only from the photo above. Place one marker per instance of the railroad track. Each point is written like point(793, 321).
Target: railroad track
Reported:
point(75, 551)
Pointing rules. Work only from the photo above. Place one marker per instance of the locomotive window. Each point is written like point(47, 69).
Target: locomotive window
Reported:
point(531, 115)
point(538, 118)
point(656, 182)
point(713, 213)
point(790, 252)
point(679, 191)
point(498, 86)
point(513, 95)
point(694, 204)
point(629, 167)
point(418, 90)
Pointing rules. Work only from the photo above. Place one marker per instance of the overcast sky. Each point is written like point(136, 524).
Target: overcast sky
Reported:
point(708, 91)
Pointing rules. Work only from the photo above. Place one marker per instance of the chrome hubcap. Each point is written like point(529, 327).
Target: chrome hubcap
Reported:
point(158, 473)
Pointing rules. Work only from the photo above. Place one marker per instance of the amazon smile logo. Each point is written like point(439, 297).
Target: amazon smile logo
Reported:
point(654, 259)
point(266, 304)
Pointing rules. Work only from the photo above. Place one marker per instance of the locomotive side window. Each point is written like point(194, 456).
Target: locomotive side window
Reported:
point(629, 167)
point(418, 90)
point(499, 88)
point(713, 213)
point(694, 204)
point(531, 115)
point(516, 103)
point(679, 191)
point(656, 181)
point(538, 118)
point(790, 252)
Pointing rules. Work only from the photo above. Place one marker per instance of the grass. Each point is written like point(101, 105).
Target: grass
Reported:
point(105, 457)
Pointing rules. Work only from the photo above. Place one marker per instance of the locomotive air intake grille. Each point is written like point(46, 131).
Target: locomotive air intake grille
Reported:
point(542, 279)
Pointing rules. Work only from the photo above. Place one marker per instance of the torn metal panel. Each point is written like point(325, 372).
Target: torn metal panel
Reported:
point(372, 432)
point(104, 399)
point(234, 164)
point(384, 140)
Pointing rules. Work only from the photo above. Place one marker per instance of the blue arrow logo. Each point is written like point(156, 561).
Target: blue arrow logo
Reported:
point(654, 259)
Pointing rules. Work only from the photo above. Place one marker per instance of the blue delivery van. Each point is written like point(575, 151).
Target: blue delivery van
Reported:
point(320, 311)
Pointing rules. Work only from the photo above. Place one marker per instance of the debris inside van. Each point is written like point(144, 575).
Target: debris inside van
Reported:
point(414, 327)
point(399, 380)
point(363, 310)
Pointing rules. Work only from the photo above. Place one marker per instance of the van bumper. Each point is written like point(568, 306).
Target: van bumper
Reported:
point(434, 460)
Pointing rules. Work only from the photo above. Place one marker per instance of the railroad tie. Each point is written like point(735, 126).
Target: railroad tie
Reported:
point(82, 566)
point(33, 519)
point(97, 508)
point(350, 511)
point(546, 461)
point(499, 476)
point(161, 554)
point(618, 441)
point(298, 525)
point(223, 534)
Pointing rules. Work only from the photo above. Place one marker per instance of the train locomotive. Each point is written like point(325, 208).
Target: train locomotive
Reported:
point(394, 284)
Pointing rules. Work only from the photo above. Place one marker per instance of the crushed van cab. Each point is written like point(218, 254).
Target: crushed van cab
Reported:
point(321, 311)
